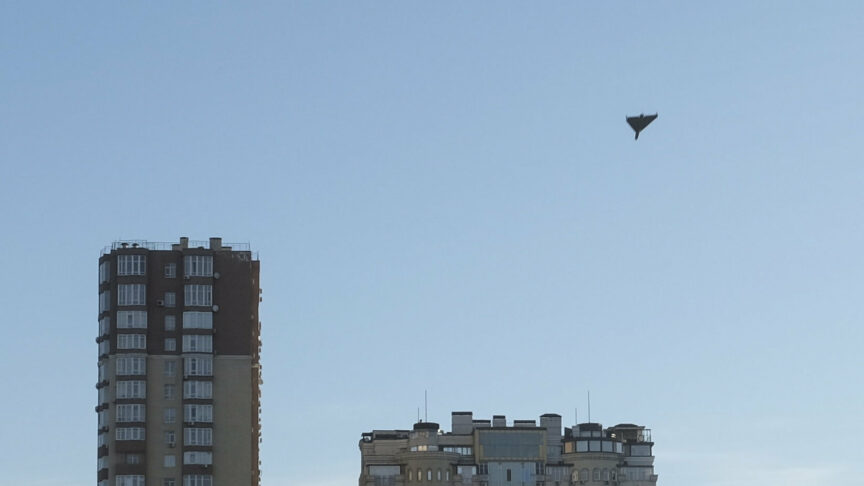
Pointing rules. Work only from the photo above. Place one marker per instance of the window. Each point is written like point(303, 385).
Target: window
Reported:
point(131, 319)
point(104, 326)
point(198, 265)
point(197, 457)
point(197, 413)
point(195, 436)
point(640, 450)
point(197, 320)
point(131, 264)
point(130, 433)
point(131, 365)
point(130, 480)
point(133, 458)
point(595, 474)
point(447, 475)
point(439, 475)
point(429, 474)
point(135, 412)
point(170, 270)
point(170, 438)
point(197, 480)
point(104, 347)
point(198, 389)
point(168, 482)
point(169, 391)
point(169, 415)
point(198, 366)
point(201, 295)
point(197, 343)
point(170, 299)
point(170, 344)
point(509, 475)
point(104, 301)
point(170, 460)
point(131, 294)
point(170, 368)
point(132, 341)
point(131, 389)
point(583, 474)
point(170, 323)
point(104, 271)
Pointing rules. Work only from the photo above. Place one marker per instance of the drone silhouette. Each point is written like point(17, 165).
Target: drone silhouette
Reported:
point(638, 123)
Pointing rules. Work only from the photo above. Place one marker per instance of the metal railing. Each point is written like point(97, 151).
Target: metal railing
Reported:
point(168, 246)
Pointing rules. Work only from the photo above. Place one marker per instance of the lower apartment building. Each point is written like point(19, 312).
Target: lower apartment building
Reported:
point(493, 453)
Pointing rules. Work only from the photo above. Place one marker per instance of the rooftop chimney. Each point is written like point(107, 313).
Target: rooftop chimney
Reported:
point(461, 422)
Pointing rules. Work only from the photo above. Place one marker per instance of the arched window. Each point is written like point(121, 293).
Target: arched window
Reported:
point(583, 474)
point(408, 473)
point(447, 475)
point(439, 475)
point(420, 475)
point(605, 474)
point(595, 474)
point(429, 475)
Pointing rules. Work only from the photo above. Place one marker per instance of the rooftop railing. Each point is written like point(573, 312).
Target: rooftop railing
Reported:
point(168, 246)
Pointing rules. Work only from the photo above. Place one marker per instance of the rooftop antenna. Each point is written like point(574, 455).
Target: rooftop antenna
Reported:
point(425, 406)
point(576, 415)
point(418, 414)
point(589, 406)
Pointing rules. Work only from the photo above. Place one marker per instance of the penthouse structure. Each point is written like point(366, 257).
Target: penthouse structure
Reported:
point(495, 453)
point(178, 364)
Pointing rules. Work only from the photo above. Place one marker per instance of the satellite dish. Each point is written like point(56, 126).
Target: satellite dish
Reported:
point(638, 123)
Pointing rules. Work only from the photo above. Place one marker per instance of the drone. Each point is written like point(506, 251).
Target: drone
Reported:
point(638, 123)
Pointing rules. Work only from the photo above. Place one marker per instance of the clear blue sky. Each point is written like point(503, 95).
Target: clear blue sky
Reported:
point(446, 196)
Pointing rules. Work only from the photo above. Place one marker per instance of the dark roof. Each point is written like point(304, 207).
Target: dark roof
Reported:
point(426, 426)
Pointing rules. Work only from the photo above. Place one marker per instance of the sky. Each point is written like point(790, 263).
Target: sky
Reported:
point(445, 198)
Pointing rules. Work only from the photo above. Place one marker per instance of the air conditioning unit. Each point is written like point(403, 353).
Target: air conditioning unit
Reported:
point(160, 303)
point(172, 444)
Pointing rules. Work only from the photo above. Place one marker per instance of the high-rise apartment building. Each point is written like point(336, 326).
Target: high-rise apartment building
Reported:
point(179, 373)
point(493, 453)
